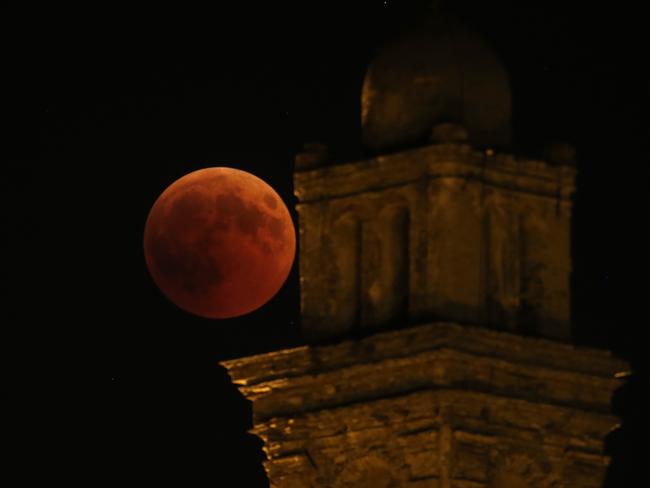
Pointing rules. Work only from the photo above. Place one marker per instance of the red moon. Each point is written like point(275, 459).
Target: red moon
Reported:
point(219, 242)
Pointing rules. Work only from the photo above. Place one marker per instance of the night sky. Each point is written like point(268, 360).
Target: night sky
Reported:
point(105, 111)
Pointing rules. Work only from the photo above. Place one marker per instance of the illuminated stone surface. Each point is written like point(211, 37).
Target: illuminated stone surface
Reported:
point(440, 232)
point(440, 235)
point(437, 405)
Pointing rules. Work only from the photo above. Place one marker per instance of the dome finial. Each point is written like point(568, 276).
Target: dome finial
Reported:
point(437, 72)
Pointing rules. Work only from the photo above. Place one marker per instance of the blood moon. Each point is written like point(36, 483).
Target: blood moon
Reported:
point(219, 242)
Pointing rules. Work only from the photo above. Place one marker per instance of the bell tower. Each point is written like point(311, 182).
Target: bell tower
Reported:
point(435, 297)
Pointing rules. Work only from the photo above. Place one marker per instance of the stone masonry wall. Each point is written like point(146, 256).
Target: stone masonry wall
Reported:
point(438, 405)
point(436, 233)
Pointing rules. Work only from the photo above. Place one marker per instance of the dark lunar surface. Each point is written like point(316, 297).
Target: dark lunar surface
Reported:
point(215, 247)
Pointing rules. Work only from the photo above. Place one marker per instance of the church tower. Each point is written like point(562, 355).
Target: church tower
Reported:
point(435, 294)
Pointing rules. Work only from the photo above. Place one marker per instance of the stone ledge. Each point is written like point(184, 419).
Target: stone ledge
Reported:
point(435, 161)
point(402, 343)
point(430, 357)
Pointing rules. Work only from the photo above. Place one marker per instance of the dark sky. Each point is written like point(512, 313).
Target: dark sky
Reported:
point(105, 109)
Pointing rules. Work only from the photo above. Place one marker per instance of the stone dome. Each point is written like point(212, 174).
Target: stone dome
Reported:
point(438, 71)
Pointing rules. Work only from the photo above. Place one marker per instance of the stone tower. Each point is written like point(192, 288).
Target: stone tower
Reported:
point(435, 292)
